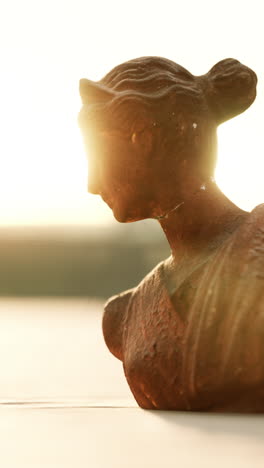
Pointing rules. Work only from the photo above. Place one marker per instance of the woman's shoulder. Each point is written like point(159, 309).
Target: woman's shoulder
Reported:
point(251, 231)
point(118, 308)
point(113, 320)
point(257, 214)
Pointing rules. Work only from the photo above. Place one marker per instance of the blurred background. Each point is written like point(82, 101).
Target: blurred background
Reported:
point(55, 239)
point(77, 260)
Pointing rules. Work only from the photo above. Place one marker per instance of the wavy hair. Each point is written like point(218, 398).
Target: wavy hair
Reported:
point(227, 89)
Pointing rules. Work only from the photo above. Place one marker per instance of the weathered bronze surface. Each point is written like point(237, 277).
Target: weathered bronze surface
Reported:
point(191, 334)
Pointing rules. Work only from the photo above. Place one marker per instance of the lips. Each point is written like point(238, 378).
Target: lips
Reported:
point(93, 187)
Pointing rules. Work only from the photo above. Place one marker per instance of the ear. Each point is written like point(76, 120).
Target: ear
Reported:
point(92, 92)
point(143, 141)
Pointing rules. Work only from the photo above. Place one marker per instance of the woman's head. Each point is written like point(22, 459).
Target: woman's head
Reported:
point(151, 129)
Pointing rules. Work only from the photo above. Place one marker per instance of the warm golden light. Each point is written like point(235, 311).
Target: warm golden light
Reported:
point(44, 170)
point(43, 176)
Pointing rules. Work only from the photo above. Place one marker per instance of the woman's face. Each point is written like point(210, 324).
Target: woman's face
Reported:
point(148, 170)
point(119, 172)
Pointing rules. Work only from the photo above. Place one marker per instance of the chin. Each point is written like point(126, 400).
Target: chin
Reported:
point(123, 216)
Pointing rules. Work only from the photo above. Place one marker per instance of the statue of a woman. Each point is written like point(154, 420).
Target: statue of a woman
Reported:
point(191, 334)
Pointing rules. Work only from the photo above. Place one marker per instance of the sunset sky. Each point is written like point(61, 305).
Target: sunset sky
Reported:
point(46, 47)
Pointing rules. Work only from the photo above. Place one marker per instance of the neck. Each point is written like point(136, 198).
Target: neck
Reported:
point(200, 222)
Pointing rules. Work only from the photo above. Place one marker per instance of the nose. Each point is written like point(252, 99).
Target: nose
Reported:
point(93, 176)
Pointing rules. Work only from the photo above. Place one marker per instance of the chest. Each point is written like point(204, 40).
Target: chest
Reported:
point(187, 351)
point(154, 343)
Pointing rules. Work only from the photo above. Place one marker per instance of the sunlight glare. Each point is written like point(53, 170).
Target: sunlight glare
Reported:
point(43, 169)
point(43, 177)
point(239, 171)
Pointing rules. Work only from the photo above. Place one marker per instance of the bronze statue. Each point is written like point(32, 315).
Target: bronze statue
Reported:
point(191, 334)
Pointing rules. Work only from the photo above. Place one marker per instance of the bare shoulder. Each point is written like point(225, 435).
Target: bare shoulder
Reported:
point(251, 232)
point(113, 322)
point(256, 217)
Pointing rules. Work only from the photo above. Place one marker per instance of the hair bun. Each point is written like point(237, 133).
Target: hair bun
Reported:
point(230, 89)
